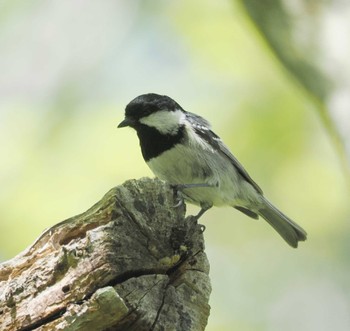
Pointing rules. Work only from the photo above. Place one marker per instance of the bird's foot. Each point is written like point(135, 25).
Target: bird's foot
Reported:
point(178, 196)
point(201, 212)
point(178, 188)
point(194, 218)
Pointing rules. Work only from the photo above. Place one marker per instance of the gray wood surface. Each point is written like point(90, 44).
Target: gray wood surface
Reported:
point(130, 262)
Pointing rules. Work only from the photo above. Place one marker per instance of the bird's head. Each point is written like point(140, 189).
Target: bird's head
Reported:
point(156, 111)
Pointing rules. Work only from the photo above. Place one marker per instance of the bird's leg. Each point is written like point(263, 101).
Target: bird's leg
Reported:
point(204, 208)
point(179, 187)
point(178, 198)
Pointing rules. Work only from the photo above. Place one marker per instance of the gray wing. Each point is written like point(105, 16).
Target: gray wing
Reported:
point(202, 128)
point(238, 165)
point(197, 121)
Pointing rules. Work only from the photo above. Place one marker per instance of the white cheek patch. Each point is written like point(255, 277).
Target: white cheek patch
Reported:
point(166, 122)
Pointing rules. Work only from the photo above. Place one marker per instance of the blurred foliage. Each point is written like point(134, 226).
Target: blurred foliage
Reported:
point(280, 29)
point(68, 70)
point(276, 24)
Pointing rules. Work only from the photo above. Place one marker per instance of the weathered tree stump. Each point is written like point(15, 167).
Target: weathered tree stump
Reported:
point(131, 262)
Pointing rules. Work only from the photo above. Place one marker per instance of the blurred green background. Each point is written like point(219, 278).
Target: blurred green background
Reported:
point(271, 81)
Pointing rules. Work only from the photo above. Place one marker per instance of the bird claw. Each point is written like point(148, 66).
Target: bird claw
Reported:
point(178, 188)
point(179, 203)
point(195, 225)
point(178, 196)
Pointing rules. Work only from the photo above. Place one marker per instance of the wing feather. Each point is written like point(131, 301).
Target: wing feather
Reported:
point(202, 128)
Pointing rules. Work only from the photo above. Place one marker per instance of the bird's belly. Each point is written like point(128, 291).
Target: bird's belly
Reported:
point(182, 166)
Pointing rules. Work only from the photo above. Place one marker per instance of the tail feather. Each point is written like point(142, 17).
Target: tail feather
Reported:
point(290, 231)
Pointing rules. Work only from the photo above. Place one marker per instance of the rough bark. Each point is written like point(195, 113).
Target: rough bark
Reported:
point(131, 262)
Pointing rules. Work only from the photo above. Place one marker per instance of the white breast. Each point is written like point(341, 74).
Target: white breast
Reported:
point(186, 165)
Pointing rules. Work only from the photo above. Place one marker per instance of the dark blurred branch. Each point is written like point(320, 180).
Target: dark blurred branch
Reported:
point(275, 24)
point(131, 262)
point(277, 27)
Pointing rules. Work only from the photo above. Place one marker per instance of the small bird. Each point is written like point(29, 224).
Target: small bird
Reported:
point(181, 149)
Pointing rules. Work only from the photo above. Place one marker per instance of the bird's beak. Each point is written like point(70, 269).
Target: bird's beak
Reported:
point(124, 123)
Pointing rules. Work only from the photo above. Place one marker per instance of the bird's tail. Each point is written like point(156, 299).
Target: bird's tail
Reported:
point(290, 231)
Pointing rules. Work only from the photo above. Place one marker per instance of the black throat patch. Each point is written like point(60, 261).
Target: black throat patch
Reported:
point(153, 143)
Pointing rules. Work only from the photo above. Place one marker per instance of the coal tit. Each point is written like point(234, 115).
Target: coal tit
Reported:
point(181, 148)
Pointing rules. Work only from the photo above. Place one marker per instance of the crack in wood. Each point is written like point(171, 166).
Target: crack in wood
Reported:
point(139, 264)
point(44, 321)
point(160, 308)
